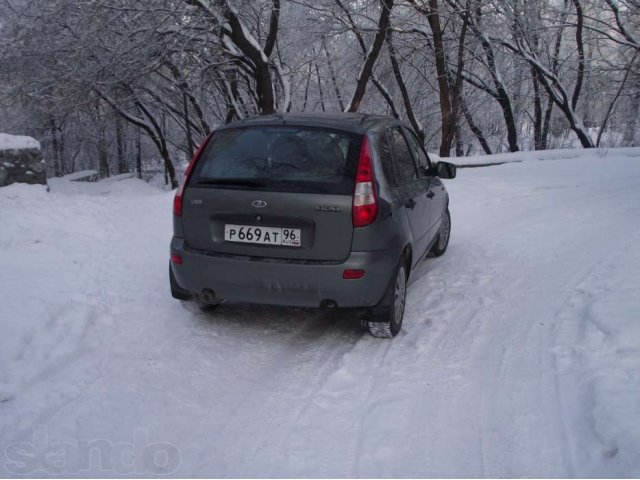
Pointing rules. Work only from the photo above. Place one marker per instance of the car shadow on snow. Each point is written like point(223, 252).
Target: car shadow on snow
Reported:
point(306, 325)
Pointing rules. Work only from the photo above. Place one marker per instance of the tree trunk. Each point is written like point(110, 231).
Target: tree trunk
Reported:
point(122, 162)
point(306, 89)
point(537, 112)
point(262, 72)
point(62, 147)
point(185, 105)
point(408, 107)
point(374, 52)
point(475, 129)
point(558, 94)
point(53, 129)
point(546, 125)
point(551, 79)
point(504, 100)
point(446, 113)
point(632, 121)
point(257, 56)
point(500, 94)
point(320, 88)
point(139, 154)
point(152, 129)
point(103, 158)
point(333, 74)
point(356, 31)
point(603, 126)
point(459, 143)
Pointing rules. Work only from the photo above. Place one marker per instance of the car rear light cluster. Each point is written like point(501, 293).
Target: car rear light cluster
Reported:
point(365, 197)
point(177, 200)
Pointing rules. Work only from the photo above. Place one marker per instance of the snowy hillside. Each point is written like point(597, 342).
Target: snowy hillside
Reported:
point(519, 355)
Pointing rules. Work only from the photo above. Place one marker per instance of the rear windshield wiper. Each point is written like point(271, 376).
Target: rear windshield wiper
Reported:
point(241, 182)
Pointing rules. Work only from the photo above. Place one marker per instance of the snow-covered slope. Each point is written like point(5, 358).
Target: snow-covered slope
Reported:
point(520, 354)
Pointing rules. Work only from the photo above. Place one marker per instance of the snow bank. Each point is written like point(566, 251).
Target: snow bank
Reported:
point(124, 183)
point(540, 155)
point(17, 142)
point(81, 175)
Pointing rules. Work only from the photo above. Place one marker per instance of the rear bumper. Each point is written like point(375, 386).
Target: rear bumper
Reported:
point(284, 282)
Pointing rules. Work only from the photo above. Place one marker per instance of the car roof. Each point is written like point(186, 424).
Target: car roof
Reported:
point(353, 122)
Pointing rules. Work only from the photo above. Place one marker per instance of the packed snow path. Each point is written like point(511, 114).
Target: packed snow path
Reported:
point(519, 355)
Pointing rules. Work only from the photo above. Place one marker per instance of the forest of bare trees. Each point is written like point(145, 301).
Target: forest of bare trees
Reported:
point(135, 85)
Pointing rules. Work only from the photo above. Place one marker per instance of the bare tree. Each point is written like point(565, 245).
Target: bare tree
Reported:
point(101, 82)
point(372, 56)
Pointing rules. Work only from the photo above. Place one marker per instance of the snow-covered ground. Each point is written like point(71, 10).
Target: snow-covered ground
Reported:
point(520, 353)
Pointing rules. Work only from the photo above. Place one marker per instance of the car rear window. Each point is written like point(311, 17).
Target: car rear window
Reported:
point(280, 158)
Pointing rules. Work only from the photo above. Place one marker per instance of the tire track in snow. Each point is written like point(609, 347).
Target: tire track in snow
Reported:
point(47, 352)
point(349, 393)
point(570, 333)
point(276, 384)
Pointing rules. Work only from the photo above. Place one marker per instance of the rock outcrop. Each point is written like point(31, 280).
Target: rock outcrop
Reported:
point(21, 160)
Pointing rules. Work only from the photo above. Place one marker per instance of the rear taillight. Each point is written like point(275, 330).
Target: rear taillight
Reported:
point(352, 274)
point(365, 197)
point(177, 200)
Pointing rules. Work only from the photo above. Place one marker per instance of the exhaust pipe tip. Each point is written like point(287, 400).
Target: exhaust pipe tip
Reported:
point(208, 296)
point(328, 304)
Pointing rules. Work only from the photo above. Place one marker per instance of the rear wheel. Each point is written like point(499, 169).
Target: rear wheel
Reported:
point(442, 242)
point(388, 322)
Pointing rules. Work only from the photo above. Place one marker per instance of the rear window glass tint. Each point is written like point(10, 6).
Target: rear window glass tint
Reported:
point(297, 159)
point(406, 169)
point(387, 160)
point(418, 151)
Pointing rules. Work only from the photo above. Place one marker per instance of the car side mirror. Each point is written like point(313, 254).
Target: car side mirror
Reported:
point(446, 170)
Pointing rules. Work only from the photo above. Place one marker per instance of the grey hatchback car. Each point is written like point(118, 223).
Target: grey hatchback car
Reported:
point(309, 210)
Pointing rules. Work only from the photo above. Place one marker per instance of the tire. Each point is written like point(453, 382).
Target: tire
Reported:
point(177, 291)
point(442, 241)
point(386, 319)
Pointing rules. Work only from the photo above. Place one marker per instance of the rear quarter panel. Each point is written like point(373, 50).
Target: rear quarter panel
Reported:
point(390, 231)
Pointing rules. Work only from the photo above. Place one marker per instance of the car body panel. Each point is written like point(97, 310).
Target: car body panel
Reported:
point(284, 282)
point(325, 222)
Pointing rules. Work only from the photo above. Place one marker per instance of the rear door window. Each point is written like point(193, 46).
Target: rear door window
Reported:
point(280, 158)
point(405, 166)
point(417, 149)
point(387, 160)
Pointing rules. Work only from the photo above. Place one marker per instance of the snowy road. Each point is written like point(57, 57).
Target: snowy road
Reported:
point(519, 355)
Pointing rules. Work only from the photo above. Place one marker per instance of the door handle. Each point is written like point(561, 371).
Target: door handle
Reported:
point(411, 203)
point(430, 194)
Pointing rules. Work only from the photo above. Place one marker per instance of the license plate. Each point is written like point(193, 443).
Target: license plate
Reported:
point(290, 237)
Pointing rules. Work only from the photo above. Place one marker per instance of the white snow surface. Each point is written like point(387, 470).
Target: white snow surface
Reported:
point(519, 355)
point(17, 142)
